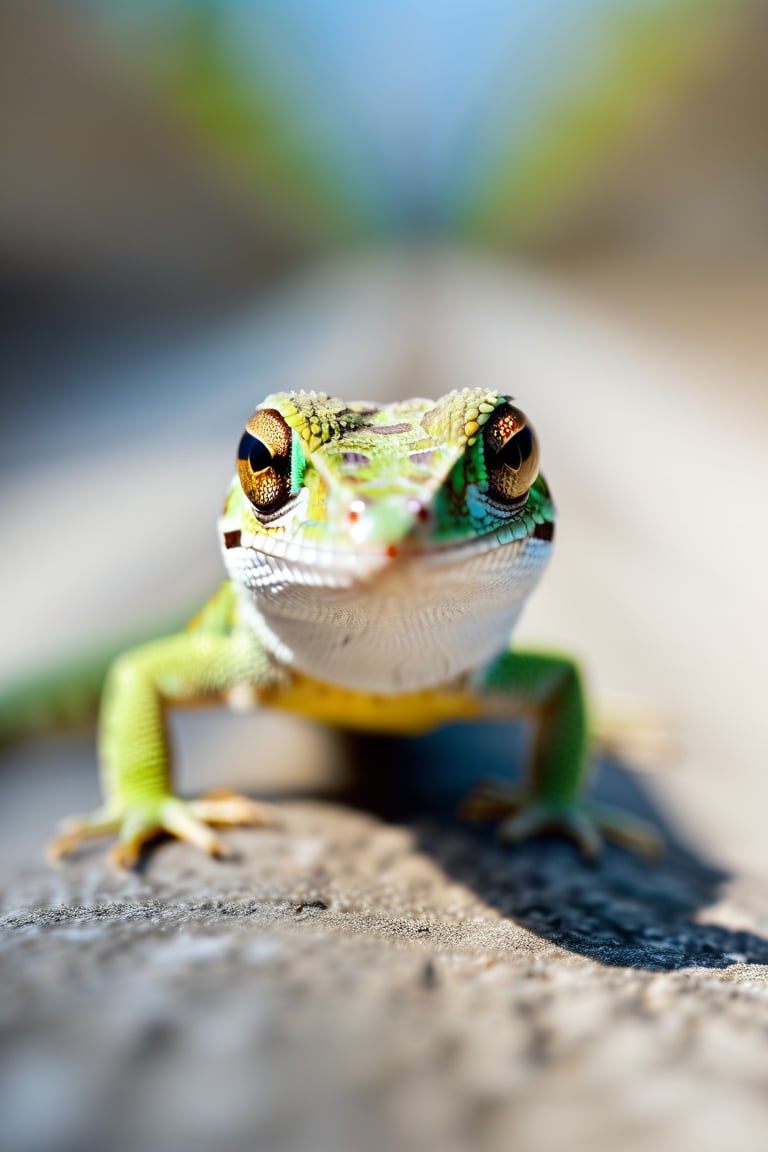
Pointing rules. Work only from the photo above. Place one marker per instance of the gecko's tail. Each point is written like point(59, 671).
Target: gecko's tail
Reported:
point(62, 696)
point(65, 693)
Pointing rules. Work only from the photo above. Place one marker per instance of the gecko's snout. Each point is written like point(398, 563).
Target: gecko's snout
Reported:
point(385, 522)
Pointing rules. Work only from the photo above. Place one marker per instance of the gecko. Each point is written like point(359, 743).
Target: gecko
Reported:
point(377, 557)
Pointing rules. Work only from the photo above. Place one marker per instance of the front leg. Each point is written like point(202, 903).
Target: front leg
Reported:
point(549, 690)
point(191, 667)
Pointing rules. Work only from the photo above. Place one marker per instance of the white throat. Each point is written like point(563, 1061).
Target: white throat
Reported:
point(421, 620)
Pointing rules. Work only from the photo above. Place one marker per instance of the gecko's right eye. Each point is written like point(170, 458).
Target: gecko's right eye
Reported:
point(511, 455)
point(255, 452)
point(264, 460)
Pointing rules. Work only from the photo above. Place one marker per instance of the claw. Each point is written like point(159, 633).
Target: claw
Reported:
point(226, 807)
point(126, 853)
point(144, 822)
point(76, 830)
point(179, 820)
point(492, 801)
point(572, 822)
point(627, 831)
point(587, 824)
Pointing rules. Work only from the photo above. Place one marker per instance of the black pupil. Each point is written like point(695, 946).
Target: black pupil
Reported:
point(517, 450)
point(255, 452)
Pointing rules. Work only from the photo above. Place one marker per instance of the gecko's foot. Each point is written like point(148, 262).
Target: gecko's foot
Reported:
point(587, 824)
point(144, 821)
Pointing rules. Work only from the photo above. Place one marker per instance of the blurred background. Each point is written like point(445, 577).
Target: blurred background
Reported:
point(202, 202)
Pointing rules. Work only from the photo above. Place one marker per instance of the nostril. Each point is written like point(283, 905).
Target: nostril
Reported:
point(417, 509)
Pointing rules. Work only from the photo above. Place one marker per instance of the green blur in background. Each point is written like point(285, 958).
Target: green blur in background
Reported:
point(148, 143)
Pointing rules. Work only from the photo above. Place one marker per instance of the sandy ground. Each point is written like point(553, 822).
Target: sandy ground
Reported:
point(373, 974)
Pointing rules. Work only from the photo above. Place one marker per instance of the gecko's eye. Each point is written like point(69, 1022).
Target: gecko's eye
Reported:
point(511, 455)
point(264, 460)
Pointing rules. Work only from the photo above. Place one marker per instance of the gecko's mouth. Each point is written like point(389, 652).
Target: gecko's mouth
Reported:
point(364, 561)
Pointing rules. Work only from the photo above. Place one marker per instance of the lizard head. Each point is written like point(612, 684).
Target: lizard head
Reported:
point(360, 480)
point(386, 545)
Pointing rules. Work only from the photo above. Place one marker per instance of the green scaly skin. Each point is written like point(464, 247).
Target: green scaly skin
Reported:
point(380, 554)
point(199, 665)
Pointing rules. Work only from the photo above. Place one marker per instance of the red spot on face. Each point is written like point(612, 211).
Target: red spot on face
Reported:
point(392, 551)
point(356, 509)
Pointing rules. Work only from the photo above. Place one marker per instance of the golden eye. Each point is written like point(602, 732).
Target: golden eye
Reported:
point(264, 460)
point(511, 455)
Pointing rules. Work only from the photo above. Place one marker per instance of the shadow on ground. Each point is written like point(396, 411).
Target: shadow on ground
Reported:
point(622, 911)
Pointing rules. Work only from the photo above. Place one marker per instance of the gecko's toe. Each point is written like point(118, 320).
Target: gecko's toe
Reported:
point(182, 821)
point(149, 818)
point(571, 822)
point(588, 825)
point(126, 853)
point(75, 830)
point(627, 831)
point(492, 800)
point(226, 807)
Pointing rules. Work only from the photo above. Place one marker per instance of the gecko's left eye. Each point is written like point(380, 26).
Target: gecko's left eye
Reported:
point(264, 460)
point(511, 455)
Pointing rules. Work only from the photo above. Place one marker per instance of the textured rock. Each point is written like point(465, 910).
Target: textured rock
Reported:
point(368, 975)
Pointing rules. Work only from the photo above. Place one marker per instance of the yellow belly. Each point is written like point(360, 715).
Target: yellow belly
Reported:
point(408, 714)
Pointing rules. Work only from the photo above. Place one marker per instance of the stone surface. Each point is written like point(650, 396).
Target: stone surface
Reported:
point(374, 974)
